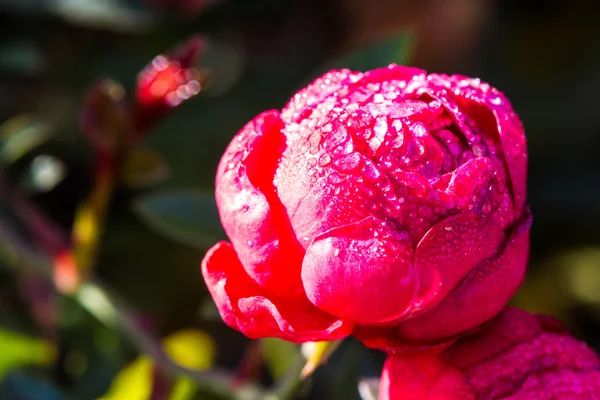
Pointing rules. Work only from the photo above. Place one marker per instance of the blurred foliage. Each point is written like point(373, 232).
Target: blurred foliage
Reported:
point(18, 351)
point(543, 55)
point(190, 348)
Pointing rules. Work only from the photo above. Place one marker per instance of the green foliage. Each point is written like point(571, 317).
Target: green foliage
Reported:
point(17, 350)
point(279, 355)
point(185, 216)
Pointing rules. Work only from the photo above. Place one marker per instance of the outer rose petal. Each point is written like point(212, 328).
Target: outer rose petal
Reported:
point(449, 251)
point(250, 210)
point(250, 309)
point(517, 356)
point(481, 295)
point(423, 377)
point(350, 273)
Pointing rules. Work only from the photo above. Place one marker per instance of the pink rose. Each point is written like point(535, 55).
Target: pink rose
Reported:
point(390, 204)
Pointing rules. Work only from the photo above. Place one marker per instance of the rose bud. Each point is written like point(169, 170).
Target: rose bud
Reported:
point(390, 202)
point(517, 356)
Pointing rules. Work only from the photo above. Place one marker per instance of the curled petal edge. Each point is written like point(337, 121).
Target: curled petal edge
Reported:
point(252, 310)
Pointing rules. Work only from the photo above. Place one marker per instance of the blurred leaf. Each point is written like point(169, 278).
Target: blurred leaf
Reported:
point(368, 388)
point(396, 49)
point(21, 57)
point(43, 174)
point(144, 167)
point(317, 353)
point(186, 216)
point(393, 50)
point(20, 135)
point(17, 350)
point(18, 386)
point(190, 348)
point(134, 382)
point(110, 14)
point(279, 355)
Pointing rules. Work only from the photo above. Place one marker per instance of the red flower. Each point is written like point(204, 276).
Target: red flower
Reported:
point(517, 356)
point(391, 202)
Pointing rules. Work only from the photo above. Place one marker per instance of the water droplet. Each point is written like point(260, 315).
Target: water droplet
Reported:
point(245, 208)
point(335, 178)
point(336, 252)
point(348, 163)
point(324, 160)
point(371, 172)
point(250, 243)
point(313, 141)
point(380, 127)
point(496, 100)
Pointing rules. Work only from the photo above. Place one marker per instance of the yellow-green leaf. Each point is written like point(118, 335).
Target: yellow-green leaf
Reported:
point(191, 348)
point(17, 350)
point(279, 355)
point(20, 135)
point(317, 353)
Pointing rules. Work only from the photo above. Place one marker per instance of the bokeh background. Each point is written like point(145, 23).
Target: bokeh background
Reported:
point(544, 54)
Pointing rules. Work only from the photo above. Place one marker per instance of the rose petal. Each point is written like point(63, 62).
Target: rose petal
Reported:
point(360, 272)
point(515, 355)
point(422, 377)
point(449, 251)
point(250, 210)
point(561, 385)
point(507, 124)
point(480, 296)
point(511, 327)
point(302, 104)
point(247, 307)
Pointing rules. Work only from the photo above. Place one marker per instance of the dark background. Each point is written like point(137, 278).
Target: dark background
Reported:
point(544, 55)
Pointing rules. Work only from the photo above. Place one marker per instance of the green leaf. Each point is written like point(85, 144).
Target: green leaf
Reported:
point(23, 387)
point(279, 355)
point(20, 135)
point(191, 348)
point(108, 14)
point(17, 350)
point(186, 216)
point(393, 50)
point(396, 50)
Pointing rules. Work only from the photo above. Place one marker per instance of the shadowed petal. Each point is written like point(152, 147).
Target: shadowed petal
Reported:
point(481, 295)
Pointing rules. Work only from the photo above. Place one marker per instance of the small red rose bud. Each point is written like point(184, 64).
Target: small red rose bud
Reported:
point(167, 82)
point(517, 356)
